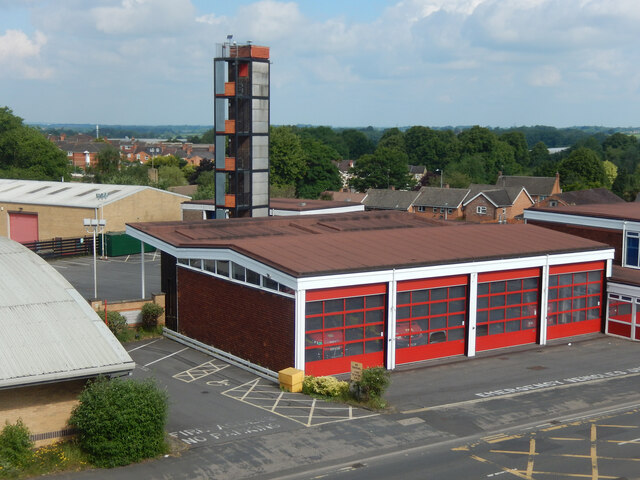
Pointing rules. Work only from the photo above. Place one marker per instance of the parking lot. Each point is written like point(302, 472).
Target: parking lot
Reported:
point(118, 278)
point(204, 391)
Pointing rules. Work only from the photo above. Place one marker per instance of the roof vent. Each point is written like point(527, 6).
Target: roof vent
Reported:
point(303, 204)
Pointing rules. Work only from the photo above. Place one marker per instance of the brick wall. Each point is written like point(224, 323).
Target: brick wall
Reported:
point(45, 409)
point(610, 237)
point(470, 214)
point(252, 324)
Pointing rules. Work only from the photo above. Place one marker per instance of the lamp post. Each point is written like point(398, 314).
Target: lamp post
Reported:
point(441, 175)
point(101, 197)
point(94, 225)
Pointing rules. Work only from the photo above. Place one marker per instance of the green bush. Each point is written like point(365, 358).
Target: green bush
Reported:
point(117, 324)
point(15, 447)
point(120, 421)
point(373, 384)
point(150, 314)
point(325, 386)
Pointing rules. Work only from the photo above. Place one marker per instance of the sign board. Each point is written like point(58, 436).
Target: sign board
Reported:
point(356, 371)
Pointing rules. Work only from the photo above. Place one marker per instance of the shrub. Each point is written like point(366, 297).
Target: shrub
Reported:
point(15, 446)
point(325, 386)
point(117, 324)
point(373, 384)
point(150, 314)
point(120, 421)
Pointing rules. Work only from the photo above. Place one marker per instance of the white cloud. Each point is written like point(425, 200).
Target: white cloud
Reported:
point(20, 55)
point(143, 17)
point(545, 76)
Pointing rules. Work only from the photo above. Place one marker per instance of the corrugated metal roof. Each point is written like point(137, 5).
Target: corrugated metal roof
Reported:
point(49, 332)
point(67, 194)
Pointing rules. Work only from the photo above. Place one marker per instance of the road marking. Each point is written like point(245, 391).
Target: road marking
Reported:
point(532, 454)
point(635, 440)
point(201, 371)
point(619, 426)
point(166, 356)
point(634, 373)
point(218, 383)
point(142, 346)
point(594, 456)
point(504, 469)
point(567, 439)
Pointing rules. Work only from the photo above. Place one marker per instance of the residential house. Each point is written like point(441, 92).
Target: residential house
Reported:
point(487, 203)
point(387, 199)
point(581, 197)
point(417, 172)
point(538, 188)
point(442, 203)
point(81, 149)
point(618, 225)
point(344, 167)
point(51, 343)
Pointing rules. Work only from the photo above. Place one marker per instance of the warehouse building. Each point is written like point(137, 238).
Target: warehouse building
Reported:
point(51, 343)
point(33, 210)
point(383, 288)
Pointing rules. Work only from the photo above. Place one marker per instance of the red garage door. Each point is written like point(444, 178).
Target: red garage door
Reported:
point(507, 309)
point(430, 318)
point(23, 227)
point(575, 297)
point(344, 325)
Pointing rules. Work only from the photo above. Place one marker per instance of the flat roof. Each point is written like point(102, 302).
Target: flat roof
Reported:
point(49, 332)
point(305, 205)
point(67, 194)
point(363, 241)
point(617, 211)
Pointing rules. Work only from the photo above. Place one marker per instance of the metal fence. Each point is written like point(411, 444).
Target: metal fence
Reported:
point(60, 247)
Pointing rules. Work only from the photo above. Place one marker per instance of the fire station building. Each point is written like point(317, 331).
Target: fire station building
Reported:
point(383, 288)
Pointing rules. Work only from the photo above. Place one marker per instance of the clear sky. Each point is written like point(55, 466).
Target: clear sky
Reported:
point(340, 63)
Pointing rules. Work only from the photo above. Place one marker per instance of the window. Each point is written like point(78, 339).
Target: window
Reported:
point(574, 297)
point(344, 327)
point(421, 208)
point(481, 210)
point(428, 316)
point(632, 257)
point(450, 211)
point(507, 306)
point(435, 209)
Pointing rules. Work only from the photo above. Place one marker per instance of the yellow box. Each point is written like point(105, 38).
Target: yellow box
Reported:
point(291, 379)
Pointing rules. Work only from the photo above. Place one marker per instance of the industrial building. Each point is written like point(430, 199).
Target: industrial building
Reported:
point(383, 288)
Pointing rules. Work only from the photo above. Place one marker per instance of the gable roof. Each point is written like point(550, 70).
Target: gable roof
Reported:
point(499, 197)
point(587, 197)
point(534, 185)
point(441, 197)
point(49, 332)
point(67, 194)
point(383, 199)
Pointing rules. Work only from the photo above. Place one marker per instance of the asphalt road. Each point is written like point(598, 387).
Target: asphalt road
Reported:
point(118, 278)
point(470, 419)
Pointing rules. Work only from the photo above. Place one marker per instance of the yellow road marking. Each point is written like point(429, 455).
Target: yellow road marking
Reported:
point(594, 455)
point(567, 439)
point(512, 452)
point(571, 455)
point(619, 426)
point(461, 449)
point(532, 454)
point(573, 475)
point(517, 473)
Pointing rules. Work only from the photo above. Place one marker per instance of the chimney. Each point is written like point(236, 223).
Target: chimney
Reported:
point(63, 136)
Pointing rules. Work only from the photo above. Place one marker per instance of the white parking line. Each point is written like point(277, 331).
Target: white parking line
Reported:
point(166, 356)
point(142, 346)
point(635, 440)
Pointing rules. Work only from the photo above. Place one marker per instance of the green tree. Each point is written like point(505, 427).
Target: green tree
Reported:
point(120, 421)
point(539, 154)
point(286, 157)
point(26, 153)
point(108, 160)
point(626, 185)
point(170, 176)
point(357, 143)
point(321, 173)
point(518, 141)
point(206, 186)
point(582, 169)
point(387, 167)
point(610, 171)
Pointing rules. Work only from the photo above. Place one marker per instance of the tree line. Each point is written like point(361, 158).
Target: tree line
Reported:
point(303, 158)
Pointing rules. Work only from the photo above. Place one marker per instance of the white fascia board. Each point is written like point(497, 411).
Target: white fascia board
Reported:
point(445, 270)
point(481, 194)
point(215, 254)
point(608, 223)
point(623, 289)
point(197, 206)
point(327, 211)
point(283, 213)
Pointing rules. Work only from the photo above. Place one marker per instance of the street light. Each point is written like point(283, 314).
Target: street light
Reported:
point(101, 197)
point(93, 225)
point(441, 175)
